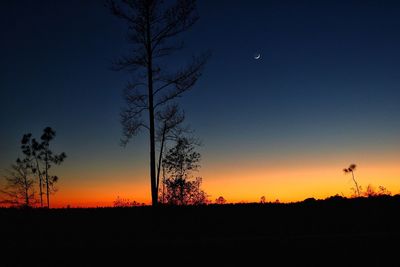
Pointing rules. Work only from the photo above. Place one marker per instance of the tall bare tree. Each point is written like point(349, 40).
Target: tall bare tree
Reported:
point(19, 185)
point(153, 28)
point(32, 149)
point(49, 158)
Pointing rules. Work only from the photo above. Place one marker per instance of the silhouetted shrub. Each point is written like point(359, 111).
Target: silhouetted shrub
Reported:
point(184, 192)
point(125, 203)
point(220, 200)
point(335, 198)
point(310, 200)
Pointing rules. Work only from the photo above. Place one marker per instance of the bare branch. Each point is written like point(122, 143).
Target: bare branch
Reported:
point(134, 98)
point(166, 50)
point(170, 118)
point(129, 63)
point(131, 123)
point(176, 20)
point(182, 81)
point(119, 12)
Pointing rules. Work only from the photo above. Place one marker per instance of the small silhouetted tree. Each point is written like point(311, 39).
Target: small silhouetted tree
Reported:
point(19, 185)
point(262, 200)
point(48, 158)
point(182, 159)
point(220, 200)
point(179, 164)
point(351, 170)
point(153, 26)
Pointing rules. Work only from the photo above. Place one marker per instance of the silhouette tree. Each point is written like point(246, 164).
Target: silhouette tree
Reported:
point(351, 170)
point(32, 149)
point(19, 187)
point(182, 159)
point(262, 200)
point(48, 158)
point(152, 28)
point(220, 200)
point(178, 164)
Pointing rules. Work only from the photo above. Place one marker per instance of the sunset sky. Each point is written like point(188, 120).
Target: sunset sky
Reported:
point(325, 94)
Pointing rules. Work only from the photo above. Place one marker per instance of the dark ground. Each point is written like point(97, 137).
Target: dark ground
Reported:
point(338, 232)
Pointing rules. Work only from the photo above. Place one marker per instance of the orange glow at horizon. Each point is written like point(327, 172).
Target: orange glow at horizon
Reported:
point(290, 182)
point(297, 184)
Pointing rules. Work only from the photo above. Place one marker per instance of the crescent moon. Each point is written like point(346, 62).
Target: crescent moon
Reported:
point(257, 56)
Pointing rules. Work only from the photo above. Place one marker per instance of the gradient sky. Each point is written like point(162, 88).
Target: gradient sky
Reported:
point(325, 94)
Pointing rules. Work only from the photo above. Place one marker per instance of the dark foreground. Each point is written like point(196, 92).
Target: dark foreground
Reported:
point(339, 232)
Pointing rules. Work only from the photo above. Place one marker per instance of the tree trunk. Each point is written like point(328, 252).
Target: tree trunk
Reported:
point(154, 197)
point(26, 192)
point(47, 180)
point(163, 189)
point(40, 183)
point(41, 191)
point(160, 157)
point(358, 190)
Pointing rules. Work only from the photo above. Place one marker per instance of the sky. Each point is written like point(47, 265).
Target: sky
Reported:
point(324, 94)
